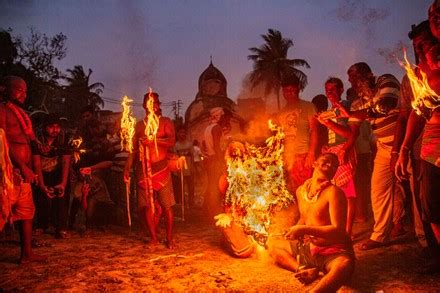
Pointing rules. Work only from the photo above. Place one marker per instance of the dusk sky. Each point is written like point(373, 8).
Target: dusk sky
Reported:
point(131, 45)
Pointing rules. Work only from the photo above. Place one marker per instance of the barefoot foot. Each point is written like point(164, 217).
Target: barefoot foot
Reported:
point(307, 276)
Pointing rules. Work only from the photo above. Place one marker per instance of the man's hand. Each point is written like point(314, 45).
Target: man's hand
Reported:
point(401, 165)
point(342, 111)
point(48, 191)
point(295, 232)
point(320, 119)
point(223, 220)
point(310, 159)
point(393, 160)
point(60, 188)
point(342, 156)
point(29, 175)
point(126, 176)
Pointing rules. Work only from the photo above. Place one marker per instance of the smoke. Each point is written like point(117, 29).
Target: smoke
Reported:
point(135, 58)
point(247, 91)
point(362, 17)
point(393, 54)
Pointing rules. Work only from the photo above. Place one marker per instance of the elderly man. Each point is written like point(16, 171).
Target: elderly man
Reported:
point(379, 97)
point(215, 161)
point(18, 135)
point(320, 240)
point(161, 175)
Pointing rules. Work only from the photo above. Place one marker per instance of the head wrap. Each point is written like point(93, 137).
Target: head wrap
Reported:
point(216, 113)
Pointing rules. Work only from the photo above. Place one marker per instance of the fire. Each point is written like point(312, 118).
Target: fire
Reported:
point(256, 183)
point(76, 143)
point(425, 98)
point(152, 120)
point(128, 123)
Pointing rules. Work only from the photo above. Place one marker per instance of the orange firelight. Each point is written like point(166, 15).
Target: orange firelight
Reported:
point(425, 98)
point(128, 123)
point(76, 143)
point(152, 120)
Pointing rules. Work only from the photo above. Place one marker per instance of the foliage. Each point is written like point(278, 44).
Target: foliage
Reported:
point(271, 63)
point(38, 53)
point(80, 93)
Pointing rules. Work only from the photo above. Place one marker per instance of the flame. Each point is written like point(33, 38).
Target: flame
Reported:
point(76, 143)
point(256, 183)
point(425, 98)
point(152, 120)
point(128, 123)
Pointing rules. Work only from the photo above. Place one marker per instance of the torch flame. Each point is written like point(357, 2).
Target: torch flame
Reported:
point(128, 123)
point(152, 120)
point(256, 183)
point(76, 143)
point(425, 98)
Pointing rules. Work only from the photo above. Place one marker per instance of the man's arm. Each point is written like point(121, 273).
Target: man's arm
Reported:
point(414, 128)
point(314, 138)
point(66, 160)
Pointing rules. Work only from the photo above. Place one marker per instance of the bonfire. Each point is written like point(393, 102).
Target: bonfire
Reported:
point(257, 187)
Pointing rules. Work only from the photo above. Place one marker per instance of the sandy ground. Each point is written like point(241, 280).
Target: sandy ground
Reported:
point(115, 260)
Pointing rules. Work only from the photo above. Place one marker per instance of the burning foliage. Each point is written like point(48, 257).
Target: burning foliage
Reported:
point(257, 187)
point(426, 99)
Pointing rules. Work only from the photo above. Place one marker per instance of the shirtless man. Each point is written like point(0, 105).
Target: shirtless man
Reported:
point(320, 240)
point(161, 179)
point(19, 136)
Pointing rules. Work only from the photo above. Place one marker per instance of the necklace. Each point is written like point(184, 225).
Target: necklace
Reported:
point(312, 197)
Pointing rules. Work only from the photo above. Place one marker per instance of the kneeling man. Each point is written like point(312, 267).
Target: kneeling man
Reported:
point(318, 242)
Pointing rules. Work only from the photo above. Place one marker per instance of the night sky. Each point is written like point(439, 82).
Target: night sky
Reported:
point(131, 45)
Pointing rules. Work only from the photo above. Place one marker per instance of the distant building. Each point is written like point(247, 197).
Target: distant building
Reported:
point(212, 93)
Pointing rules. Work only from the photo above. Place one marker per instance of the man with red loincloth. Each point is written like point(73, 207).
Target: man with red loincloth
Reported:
point(18, 137)
point(320, 242)
point(161, 177)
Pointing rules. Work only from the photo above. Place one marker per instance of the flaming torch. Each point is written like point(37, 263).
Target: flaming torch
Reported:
point(76, 143)
point(425, 98)
point(128, 123)
point(256, 184)
point(151, 127)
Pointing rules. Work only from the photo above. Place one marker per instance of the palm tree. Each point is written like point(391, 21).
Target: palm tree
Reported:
point(79, 93)
point(271, 63)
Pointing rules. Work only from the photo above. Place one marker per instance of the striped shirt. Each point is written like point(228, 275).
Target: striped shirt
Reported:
point(386, 87)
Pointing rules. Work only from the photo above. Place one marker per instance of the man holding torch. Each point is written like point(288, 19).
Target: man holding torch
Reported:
point(153, 137)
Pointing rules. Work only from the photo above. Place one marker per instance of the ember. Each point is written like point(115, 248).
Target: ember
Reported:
point(256, 184)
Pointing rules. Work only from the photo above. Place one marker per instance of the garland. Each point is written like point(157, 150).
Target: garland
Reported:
point(23, 119)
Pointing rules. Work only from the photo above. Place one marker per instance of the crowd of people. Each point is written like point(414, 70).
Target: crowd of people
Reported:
point(371, 153)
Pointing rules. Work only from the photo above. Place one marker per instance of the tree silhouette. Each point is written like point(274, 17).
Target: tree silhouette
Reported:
point(271, 63)
point(80, 93)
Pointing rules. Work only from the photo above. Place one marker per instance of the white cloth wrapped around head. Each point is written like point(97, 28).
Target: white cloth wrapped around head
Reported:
point(216, 113)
